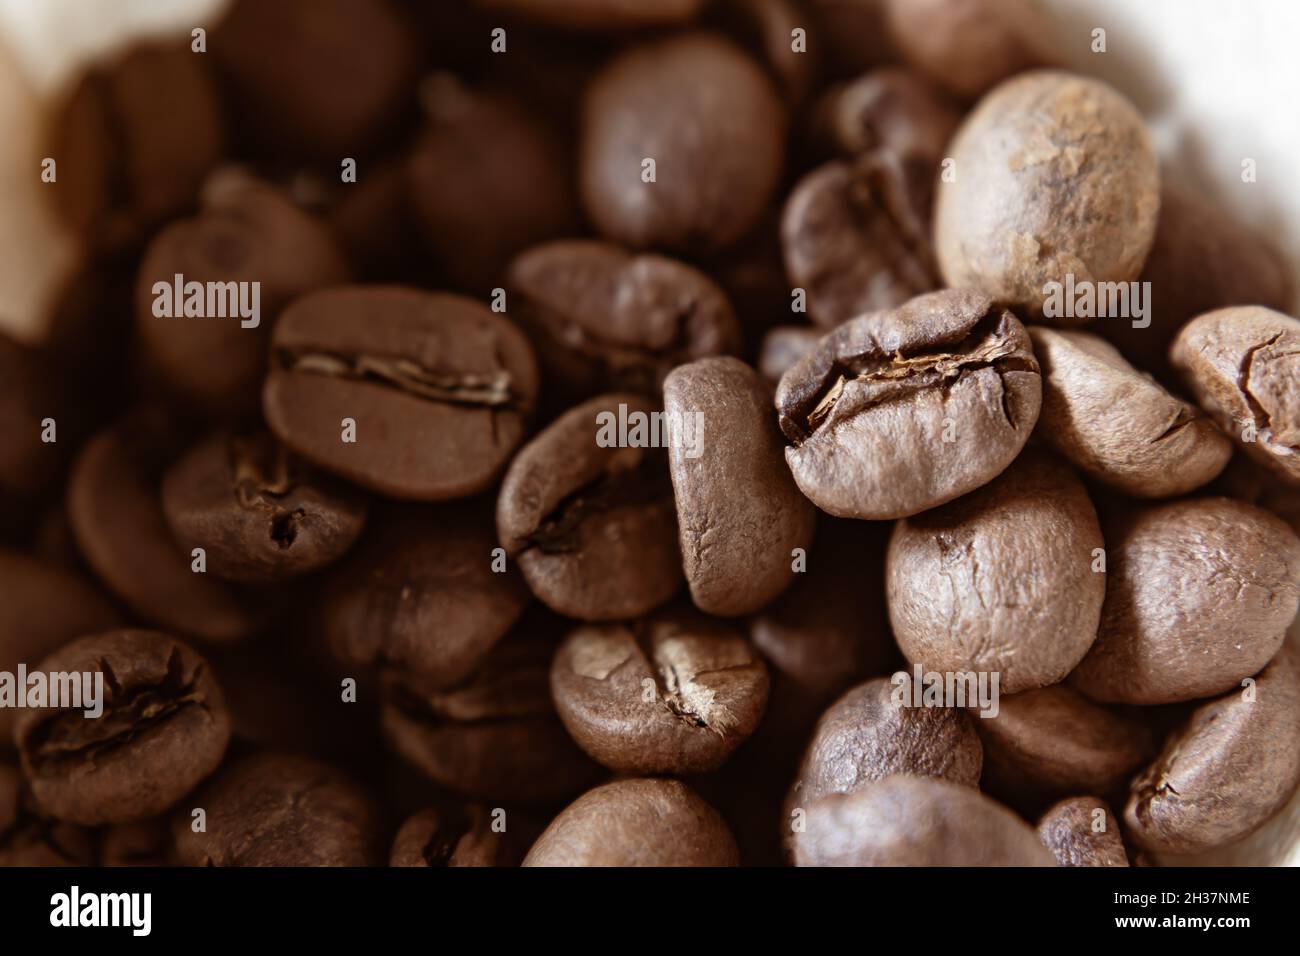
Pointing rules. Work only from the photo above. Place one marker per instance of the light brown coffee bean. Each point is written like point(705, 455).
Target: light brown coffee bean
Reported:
point(1081, 831)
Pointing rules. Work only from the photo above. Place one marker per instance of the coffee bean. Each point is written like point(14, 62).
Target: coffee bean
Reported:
point(856, 238)
point(867, 735)
point(600, 14)
point(1055, 176)
point(1227, 771)
point(1243, 366)
point(1049, 743)
point(903, 410)
point(439, 389)
point(605, 319)
point(1117, 424)
point(969, 45)
point(28, 839)
point(453, 836)
point(421, 595)
point(1249, 481)
point(117, 517)
point(164, 727)
point(783, 346)
point(674, 693)
point(496, 736)
point(768, 27)
point(275, 809)
point(717, 157)
point(42, 607)
point(915, 821)
point(133, 142)
point(591, 526)
point(739, 514)
point(1002, 580)
point(636, 822)
point(1082, 831)
point(140, 843)
point(486, 181)
point(311, 81)
point(1199, 595)
point(29, 394)
point(246, 233)
point(260, 515)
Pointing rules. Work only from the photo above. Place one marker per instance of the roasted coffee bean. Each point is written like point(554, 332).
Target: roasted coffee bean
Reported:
point(1202, 259)
point(1003, 580)
point(783, 346)
point(258, 513)
point(455, 835)
point(140, 843)
point(212, 350)
point(30, 399)
point(1047, 744)
point(1117, 424)
point(1247, 480)
point(602, 318)
point(421, 595)
point(1082, 831)
point(591, 523)
point(601, 14)
point(1199, 595)
point(494, 737)
point(315, 81)
point(915, 821)
point(636, 822)
point(375, 225)
point(768, 27)
point(437, 389)
point(486, 181)
point(900, 411)
point(1243, 366)
point(856, 239)
point(1057, 178)
point(42, 607)
point(117, 517)
point(133, 142)
point(276, 809)
point(969, 45)
point(713, 126)
point(1227, 771)
point(868, 735)
point(28, 839)
point(740, 517)
point(675, 693)
point(163, 728)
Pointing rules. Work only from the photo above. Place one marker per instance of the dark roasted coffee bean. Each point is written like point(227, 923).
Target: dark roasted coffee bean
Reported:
point(636, 822)
point(783, 346)
point(258, 513)
point(1243, 366)
point(969, 45)
point(1056, 178)
point(1117, 424)
point(117, 517)
point(421, 595)
point(768, 27)
point(915, 821)
point(1082, 831)
point(605, 319)
point(29, 395)
point(42, 607)
point(456, 835)
point(411, 394)
point(1199, 595)
point(1046, 744)
point(494, 737)
point(1021, 593)
point(856, 239)
point(740, 517)
point(1227, 771)
point(592, 524)
point(674, 693)
point(486, 181)
point(892, 111)
point(247, 234)
point(140, 843)
point(694, 172)
point(601, 14)
point(28, 839)
point(162, 729)
point(313, 80)
point(279, 810)
point(903, 410)
point(134, 141)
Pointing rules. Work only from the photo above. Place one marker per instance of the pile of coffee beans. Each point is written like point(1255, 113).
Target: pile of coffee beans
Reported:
point(664, 432)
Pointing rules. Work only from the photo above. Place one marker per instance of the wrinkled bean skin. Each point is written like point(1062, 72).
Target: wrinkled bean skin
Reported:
point(1072, 831)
